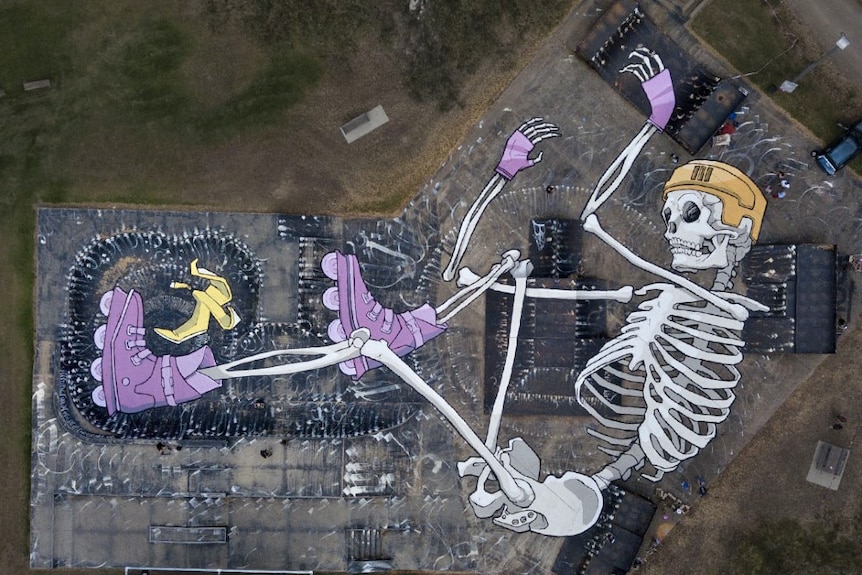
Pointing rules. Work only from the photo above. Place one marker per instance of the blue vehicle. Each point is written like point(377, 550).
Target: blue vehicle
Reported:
point(839, 153)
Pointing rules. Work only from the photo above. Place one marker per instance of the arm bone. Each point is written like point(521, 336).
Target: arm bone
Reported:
point(331, 355)
point(620, 166)
point(520, 274)
point(467, 277)
point(593, 226)
point(471, 220)
point(469, 293)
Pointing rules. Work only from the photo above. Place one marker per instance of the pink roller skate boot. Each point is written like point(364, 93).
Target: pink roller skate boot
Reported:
point(133, 379)
point(357, 308)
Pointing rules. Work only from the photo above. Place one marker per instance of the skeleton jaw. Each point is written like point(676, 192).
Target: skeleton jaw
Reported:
point(691, 256)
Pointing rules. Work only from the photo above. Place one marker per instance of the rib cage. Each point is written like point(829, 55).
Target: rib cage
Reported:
point(672, 369)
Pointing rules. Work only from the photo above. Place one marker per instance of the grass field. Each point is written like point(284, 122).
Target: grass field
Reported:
point(768, 44)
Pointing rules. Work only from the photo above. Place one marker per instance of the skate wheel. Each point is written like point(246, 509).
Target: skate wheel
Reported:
point(96, 369)
point(105, 302)
point(336, 331)
point(98, 396)
point(99, 336)
point(330, 298)
point(347, 368)
point(329, 265)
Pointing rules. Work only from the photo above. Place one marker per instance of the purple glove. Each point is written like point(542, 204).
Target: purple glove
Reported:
point(515, 159)
point(659, 92)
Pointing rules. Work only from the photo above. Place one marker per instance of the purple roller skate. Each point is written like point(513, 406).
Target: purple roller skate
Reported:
point(133, 379)
point(357, 308)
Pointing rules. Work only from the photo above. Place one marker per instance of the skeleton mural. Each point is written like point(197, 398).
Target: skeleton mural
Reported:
point(368, 335)
point(673, 364)
point(675, 359)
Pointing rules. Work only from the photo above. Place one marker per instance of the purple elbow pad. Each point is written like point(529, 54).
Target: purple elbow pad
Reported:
point(659, 92)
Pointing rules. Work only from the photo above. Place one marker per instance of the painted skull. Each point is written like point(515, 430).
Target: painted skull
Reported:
point(698, 239)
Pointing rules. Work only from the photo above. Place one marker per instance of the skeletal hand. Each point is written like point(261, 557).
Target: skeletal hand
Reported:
point(521, 143)
point(656, 82)
point(646, 64)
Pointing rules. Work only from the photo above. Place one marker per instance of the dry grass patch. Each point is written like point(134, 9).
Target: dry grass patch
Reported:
point(768, 44)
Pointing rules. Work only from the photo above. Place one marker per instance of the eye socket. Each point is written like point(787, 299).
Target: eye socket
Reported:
point(666, 215)
point(690, 212)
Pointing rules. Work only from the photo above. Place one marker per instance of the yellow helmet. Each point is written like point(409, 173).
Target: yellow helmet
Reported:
point(739, 195)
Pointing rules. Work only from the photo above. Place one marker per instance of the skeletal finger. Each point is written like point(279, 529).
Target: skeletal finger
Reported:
point(646, 57)
point(547, 127)
point(637, 70)
point(640, 53)
point(540, 127)
point(530, 123)
point(650, 71)
point(542, 132)
point(541, 137)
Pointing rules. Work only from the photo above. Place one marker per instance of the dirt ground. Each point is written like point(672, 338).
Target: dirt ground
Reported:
point(767, 479)
point(302, 165)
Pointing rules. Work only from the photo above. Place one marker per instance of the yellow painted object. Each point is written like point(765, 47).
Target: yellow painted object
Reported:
point(209, 303)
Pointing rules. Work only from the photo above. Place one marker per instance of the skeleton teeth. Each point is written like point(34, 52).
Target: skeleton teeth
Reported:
point(681, 246)
point(686, 251)
point(681, 243)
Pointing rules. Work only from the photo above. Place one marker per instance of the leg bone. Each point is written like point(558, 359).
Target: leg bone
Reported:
point(331, 355)
point(518, 491)
point(468, 294)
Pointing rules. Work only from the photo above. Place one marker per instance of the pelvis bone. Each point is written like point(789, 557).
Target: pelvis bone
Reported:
point(561, 506)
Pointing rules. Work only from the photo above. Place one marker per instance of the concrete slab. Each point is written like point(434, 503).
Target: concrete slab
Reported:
point(36, 85)
point(827, 465)
point(364, 124)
